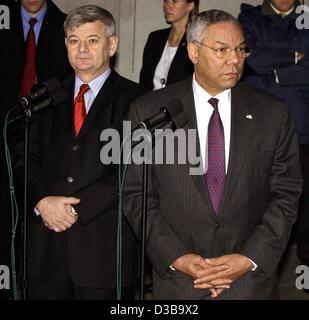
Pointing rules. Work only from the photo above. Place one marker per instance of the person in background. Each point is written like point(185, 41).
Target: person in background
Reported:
point(32, 51)
point(279, 64)
point(165, 58)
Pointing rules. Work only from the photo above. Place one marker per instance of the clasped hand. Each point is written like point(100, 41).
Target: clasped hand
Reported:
point(215, 274)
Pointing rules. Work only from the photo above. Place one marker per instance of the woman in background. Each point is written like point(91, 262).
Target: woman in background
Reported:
point(165, 58)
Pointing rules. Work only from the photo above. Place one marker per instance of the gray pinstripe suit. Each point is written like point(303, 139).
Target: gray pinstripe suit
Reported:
point(260, 201)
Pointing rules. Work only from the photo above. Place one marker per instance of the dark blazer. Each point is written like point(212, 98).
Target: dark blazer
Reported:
point(51, 56)
point(181, 66)
point(274, 41)
point(51, 61)
point(56, 155)
point(259, 206)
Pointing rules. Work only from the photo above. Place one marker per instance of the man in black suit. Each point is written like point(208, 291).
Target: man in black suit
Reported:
point(50, 61)
point(221, 231)
point(70, 257)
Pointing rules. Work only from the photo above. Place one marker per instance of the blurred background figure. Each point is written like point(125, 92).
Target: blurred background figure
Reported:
point(165, 58)
point(279, 64)
point(32, 51)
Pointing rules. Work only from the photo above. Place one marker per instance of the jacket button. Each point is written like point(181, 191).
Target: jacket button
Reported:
point(216, 226)
point(75, 148)
point(70, 179)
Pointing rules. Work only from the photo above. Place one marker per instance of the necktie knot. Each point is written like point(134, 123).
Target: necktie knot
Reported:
point(32, 22)
point(82, 90)
point(214, 103)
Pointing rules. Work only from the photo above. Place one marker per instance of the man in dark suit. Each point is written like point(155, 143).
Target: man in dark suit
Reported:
point(70, 257)
point(227, 227)
point(279, 64)
point(50, 60)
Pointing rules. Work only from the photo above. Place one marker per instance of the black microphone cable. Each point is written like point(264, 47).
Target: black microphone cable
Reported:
point(14, 206)
point(56, 98)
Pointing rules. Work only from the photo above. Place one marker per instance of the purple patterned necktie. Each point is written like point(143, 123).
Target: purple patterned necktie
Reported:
point(215, 175)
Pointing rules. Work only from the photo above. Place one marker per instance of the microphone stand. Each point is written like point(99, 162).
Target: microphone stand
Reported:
point(144, 227)
point(149, 140)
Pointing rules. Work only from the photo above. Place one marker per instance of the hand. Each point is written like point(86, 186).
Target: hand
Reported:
point(192, 265)
point(54, 212)
point(238, 266)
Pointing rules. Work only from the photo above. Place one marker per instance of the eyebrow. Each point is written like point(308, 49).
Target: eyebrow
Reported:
point(90, 36)
point(225, 44)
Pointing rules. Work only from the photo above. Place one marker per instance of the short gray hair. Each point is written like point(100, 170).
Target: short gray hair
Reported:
point(90, 13)
point(199, 23)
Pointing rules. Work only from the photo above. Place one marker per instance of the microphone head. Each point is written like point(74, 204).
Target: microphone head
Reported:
point(58, 97)
point(45, 89)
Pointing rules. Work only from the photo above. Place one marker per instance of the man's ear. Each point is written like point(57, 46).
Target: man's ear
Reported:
point(192, 52)
point(113, 45)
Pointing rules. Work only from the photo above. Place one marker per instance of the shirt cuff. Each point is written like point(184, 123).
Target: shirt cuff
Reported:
point(276, 76)
point(296, 57)
point(254, 265)
point(37, 212)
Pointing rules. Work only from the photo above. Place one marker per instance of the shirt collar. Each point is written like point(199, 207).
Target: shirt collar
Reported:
point(26, 16)
point(95, 84)
point(280, 12)
point(205, 96)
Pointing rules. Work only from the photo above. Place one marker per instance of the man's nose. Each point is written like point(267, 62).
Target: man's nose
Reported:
point(83, 46)
point(233, 57)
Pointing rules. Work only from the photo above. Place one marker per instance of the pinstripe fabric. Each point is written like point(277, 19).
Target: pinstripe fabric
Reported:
point(259, 204)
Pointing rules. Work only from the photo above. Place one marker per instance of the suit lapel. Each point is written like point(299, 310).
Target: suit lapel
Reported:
point(242, 121)
point(66, 109)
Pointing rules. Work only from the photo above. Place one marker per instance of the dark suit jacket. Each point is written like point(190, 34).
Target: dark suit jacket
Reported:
point(51, 61)
point(262, 188)
point(51, 56)
point(56, 155)
point(181, 66)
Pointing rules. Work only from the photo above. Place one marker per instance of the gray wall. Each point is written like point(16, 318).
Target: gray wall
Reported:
point(136, 18)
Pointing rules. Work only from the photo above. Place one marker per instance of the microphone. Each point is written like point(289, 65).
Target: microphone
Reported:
point(52, 101)
point(39, 91)
point(175, 119)
point(162, 116)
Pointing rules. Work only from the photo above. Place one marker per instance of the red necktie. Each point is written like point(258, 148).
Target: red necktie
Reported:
point(215, 175)
point(29, 73)
point(80, 108)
